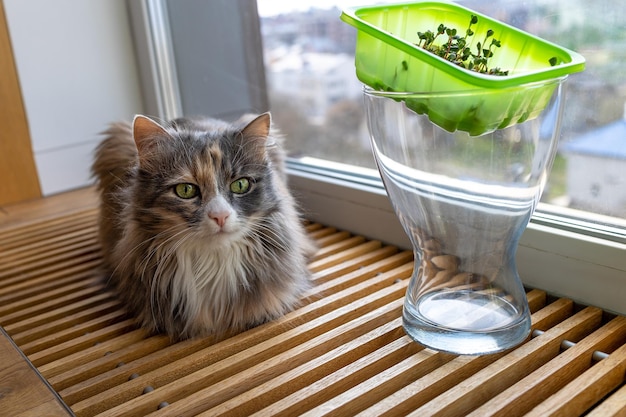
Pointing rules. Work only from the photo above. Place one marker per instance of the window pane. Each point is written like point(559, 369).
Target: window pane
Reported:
point(316, 99)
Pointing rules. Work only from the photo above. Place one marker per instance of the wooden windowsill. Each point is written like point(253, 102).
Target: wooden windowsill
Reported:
point(343, 352)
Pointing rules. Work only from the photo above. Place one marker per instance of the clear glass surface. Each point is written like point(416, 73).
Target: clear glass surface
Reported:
point(464, 202)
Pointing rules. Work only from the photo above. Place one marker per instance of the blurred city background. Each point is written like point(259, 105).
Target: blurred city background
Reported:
point(316, 100)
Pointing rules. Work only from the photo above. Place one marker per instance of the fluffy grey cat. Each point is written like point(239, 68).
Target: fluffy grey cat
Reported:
point(199, 233)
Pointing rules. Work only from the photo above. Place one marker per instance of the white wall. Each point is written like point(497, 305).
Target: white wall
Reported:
point(77, 71)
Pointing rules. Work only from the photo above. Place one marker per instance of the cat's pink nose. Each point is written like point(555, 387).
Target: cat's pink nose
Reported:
point(219, 218)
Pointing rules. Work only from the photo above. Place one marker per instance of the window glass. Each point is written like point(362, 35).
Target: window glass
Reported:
point(316, 99)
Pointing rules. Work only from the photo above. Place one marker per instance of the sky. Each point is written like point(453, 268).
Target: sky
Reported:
point(274, 7)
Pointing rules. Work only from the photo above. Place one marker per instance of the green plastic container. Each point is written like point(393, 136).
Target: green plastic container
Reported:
point(388, 59)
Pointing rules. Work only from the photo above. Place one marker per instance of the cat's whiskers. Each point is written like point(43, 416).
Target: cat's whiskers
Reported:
point(265, 228)
point(163, 253)
point(224, 272)
point(121, 267)
point(151, 250)
point(156, 249)
point(204, 273)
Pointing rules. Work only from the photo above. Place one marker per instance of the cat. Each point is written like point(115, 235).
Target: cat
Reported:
point(199, 233)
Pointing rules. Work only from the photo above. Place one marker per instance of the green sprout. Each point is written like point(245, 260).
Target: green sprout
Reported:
point(457, 49)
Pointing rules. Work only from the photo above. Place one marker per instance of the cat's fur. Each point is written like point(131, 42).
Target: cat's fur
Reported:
point(214, 264)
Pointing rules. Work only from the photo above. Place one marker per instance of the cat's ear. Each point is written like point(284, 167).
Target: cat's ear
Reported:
point(145, 131)
point(259, 127)
point(257, 132)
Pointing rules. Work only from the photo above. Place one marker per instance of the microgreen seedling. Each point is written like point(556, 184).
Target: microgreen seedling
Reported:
point(458, 49)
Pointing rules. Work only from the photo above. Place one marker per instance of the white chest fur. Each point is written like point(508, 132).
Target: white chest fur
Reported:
point(208, 279)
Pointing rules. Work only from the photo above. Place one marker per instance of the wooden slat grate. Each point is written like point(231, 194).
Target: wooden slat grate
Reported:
point(343, 352)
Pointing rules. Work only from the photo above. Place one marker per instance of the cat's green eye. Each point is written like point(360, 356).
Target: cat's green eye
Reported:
point(186, 190)
point(240, 186)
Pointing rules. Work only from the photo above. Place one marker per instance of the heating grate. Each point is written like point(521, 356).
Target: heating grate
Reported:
point(342, 353)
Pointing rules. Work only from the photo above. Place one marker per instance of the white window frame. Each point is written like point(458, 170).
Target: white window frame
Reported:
point(565, 256)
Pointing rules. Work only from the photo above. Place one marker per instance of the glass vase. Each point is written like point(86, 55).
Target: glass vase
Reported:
point(464, 200)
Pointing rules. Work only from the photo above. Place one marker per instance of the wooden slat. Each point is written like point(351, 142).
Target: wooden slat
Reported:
point(337, 339)
point(429, 387)
point(72, 304)
point(30, 280)
point(32, 332)
point(333, 281)
point(615, 405)
point(87, 340)
point(67, 372)
point(16, 236)
point(36, 212)
point(93, 352)
point(587, 389)
point(317, 379)
point(482, 386)
point(48, 295)
point(325, 238)
point(298, 338)
point(22, 249)
point(117, 375)
point(307, 314)
point(547, 380)
point(324, 255)
point(46, 257)
point(341, 352)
